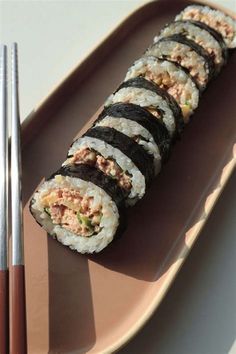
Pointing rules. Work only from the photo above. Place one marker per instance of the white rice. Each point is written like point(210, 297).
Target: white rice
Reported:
point(190, 59)
point(132, 129)
point(198, 35)
point(145, 98)
point(109, 221)
point(212, 18)
point(107, 151)
point(156, 67)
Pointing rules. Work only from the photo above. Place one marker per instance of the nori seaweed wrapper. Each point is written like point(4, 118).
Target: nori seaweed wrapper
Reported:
point(179, 38)
point(92, 174)
point(143, 117)
point(218, 37)
point(141, 82)
point(135, 152)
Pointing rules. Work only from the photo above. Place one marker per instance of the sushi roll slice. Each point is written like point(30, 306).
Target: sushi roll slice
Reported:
point(202, 35)
point(187, 54)
point(156, 100)
point(81, 207)
point(138, 124)
point(215, 19)
point(117, 156)
point(170, 77)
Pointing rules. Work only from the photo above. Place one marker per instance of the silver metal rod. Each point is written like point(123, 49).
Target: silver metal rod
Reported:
point(16, 173)
point(3, 160)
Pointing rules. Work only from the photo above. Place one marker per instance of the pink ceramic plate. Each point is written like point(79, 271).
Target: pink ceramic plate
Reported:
point(77, 304)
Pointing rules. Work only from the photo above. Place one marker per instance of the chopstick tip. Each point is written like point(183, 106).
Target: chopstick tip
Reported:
point(14, 49)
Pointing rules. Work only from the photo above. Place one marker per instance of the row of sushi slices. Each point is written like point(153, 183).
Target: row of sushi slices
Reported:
point(111, 166)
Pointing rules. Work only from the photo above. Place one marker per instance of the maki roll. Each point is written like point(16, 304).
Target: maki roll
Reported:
point(156, 100)
point(201, 34)
point(81, 207)
point(170, 77)
point(117, 156)
point(111, 166)
point(215, 19)
point(187, 54)
point(138, 124)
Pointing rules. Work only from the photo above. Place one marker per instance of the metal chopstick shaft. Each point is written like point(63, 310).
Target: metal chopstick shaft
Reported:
point(3, 158)
point(4, 308)
point(18, 320)
point(17, 226)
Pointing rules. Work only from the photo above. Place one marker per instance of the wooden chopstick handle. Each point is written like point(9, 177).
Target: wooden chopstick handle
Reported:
point(4, 313)
point(18, 314)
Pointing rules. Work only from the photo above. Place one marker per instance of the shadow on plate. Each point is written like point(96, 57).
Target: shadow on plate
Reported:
point(198, 313)
point(71, 320)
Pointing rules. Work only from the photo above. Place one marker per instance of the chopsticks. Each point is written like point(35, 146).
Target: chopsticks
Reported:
point(4, 284)
point(18, 318)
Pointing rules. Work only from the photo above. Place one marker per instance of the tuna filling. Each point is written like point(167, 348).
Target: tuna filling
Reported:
point(106, 165)
point(154, 111)
point(67, 208)
point(175, 89)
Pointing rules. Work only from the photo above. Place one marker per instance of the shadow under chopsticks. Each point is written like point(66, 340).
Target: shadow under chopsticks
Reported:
point(71, 321)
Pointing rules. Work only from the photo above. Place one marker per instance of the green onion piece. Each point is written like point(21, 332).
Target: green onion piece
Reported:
point(187, 103)
point(47, 211)
point(84, 220)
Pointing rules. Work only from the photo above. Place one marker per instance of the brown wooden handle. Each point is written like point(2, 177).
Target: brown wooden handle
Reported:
point(18, 314)
point(4, 312)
